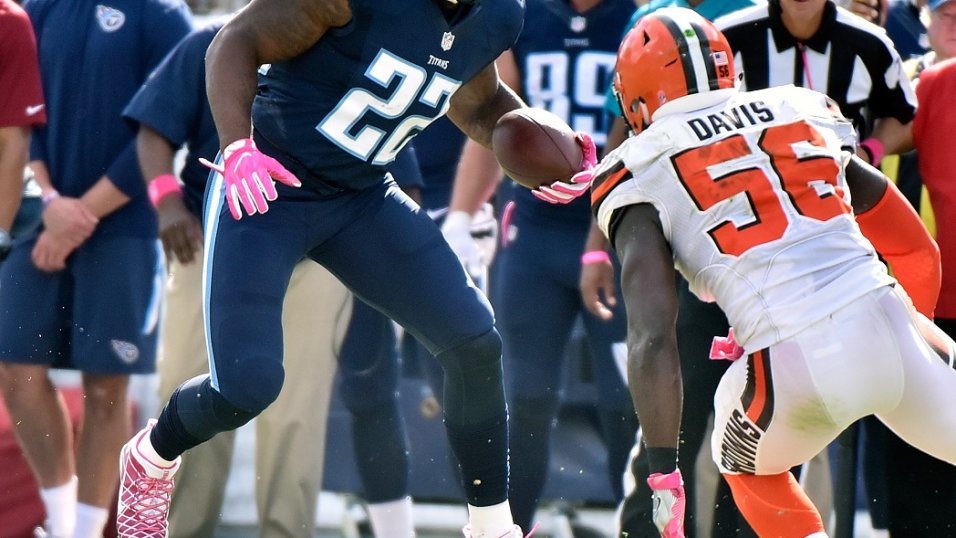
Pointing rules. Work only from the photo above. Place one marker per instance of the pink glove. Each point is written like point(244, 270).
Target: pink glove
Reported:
point(670, 503)
point(725, 347)
point(248, 174)
point(562, 192)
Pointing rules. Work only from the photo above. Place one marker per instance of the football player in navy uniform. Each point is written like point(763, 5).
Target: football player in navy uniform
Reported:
point(348, 83)
point(171, 111)
point(562, 61)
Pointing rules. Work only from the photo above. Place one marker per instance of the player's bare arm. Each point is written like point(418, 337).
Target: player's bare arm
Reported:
point(478, 104)
point(648, 282)
point(266, 31)
point(478, 171)
point(179, 230)
point(867, 184)
point(896, 137)
point(891, 224)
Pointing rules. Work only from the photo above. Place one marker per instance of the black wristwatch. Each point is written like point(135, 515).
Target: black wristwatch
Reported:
point(5, 243)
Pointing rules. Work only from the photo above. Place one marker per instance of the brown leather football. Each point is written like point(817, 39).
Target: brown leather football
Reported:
point(535, 147)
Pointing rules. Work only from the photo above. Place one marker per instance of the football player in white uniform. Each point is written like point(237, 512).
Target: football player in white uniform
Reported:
point(747, 194)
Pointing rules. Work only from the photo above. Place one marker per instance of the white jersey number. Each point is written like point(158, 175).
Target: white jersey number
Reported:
point(546, 83)
point(369, 140)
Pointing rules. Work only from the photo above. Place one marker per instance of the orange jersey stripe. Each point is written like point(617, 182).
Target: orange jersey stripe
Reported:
point(611, 181)
point(760, 388)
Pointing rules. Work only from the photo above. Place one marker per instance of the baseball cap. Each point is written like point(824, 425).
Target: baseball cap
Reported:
point(936, 4)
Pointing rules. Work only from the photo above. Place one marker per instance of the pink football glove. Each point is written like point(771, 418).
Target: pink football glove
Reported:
point(249, 176)
point(562, 192)
point(670, 503)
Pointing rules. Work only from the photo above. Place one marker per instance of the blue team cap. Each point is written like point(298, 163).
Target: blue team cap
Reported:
point(936, 4)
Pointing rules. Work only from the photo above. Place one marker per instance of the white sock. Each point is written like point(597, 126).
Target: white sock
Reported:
point(392, 518)
point(155, 465)
point(60, 505)
point(490, 521)
point(90, 521)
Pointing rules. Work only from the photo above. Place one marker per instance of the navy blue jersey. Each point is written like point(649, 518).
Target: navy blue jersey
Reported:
point(566, 60)
point(93, 58)
point(173, 103)
point(405, 169)
point(906, 30)
point(343, 109)
point(439, 148)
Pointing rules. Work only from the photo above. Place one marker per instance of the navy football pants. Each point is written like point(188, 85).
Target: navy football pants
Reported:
point(392, 256)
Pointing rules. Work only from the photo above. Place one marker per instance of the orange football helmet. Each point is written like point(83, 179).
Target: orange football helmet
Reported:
point(668, 54)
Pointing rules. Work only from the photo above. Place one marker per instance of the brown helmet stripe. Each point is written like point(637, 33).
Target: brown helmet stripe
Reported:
point(690, 78)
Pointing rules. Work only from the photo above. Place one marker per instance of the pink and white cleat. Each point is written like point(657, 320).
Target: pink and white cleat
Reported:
point(146, 490)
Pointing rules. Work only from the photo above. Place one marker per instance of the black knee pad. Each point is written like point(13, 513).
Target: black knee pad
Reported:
point(204, 412)
point(474, 390)
point(476, 354)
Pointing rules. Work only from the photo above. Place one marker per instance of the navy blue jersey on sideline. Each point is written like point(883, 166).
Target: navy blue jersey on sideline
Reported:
point(84, 84)
point(173, 103)
point(906, 30)
point(566, 60)
point(399, 84)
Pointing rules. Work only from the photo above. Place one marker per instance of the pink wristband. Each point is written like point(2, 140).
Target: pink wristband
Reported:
point(48, 198)
point(595, 256)
point(875, 149)
point(161, 186)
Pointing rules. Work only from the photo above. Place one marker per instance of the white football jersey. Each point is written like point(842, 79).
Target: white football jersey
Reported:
point(752, 197)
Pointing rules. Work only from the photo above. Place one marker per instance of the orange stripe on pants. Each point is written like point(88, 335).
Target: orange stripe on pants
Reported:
point(760, 388)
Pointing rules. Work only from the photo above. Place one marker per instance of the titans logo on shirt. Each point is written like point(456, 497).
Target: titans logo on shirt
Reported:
point(109, 19)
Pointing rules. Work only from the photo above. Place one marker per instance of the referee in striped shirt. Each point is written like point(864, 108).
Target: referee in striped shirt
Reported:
point(815, 44)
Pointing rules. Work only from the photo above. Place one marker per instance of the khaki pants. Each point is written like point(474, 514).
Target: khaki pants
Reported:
point(290, 434)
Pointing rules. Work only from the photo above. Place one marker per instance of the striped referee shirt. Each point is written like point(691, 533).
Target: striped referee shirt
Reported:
point(848, 58)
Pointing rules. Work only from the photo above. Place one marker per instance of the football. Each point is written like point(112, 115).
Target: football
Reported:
point(535, 147)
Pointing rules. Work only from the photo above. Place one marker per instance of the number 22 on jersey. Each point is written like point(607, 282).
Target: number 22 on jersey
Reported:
point(374, 144)
point(803, 179)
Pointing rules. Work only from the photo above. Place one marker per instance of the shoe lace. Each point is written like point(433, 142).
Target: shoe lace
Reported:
point(151, 501)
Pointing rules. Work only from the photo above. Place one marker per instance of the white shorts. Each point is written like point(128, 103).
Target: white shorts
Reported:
point(781, 406)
